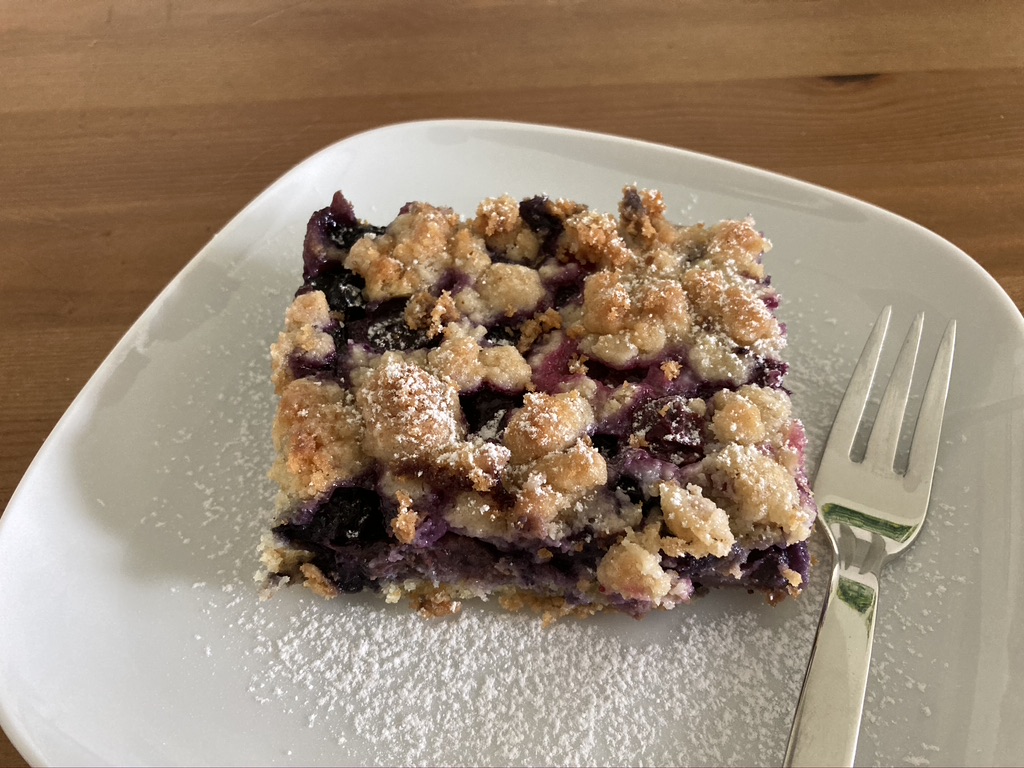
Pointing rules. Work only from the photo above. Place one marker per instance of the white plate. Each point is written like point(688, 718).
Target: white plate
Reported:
point(130, 629)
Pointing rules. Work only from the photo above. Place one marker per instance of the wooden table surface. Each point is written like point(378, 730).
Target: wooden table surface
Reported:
point(130, 132)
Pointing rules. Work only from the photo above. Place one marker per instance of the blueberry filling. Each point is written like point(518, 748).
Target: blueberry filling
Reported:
point(671, 430)
point(540, 216)
point(343, 290)
point(502, 333)
point(350, 515)
point(652, 425)
point(353, 552)
point(486, 410)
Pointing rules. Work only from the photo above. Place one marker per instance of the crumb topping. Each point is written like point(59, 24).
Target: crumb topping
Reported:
point(629, 316)
point(433, 313)
point(553, 484)
point(697, 525)
point(304, 334)
point(413, 253)
point(671, 369)
point(480, 462)
point(315, 581)
point(642, 213)
point(509, 289)
point(405, 522)
point(630, 570)
point(740, 314)
point(498, 222)
point(537, 326)
point(760, 493)
point(409, 414)
point(478, 515)
point(547, 423)
point(462, 361)
point(735, 246)
point(544, 378)
point(751, 414)
point(593, 238)
point(317, 434)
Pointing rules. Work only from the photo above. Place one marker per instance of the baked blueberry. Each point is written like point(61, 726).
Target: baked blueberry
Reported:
point(570, 410)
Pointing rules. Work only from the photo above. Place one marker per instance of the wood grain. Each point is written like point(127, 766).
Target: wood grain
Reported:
point(130, 132)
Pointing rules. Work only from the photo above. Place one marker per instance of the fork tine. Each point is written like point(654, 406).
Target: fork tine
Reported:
point(885, 434)
point(844, 428)
point(925, 447)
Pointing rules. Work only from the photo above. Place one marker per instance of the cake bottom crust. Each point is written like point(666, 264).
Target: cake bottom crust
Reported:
point(436, 580)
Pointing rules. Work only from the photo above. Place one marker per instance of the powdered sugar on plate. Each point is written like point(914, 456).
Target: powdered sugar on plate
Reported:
point(711, 683)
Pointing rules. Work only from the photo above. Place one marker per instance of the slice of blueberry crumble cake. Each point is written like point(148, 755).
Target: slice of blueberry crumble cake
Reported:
point(565, 409)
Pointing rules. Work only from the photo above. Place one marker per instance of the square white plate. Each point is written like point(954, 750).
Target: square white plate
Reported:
point(130, 631)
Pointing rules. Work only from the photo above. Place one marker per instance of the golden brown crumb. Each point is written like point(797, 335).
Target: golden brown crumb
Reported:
point(551, 609)
point(735, 246)
point(578, 365)
point(480, 462)
point(424, 310)
point(434, 602)
point(499, 223)
point(697, 525)
point(671, 369)
point(479, 515)
point(547, 423)
point(405, 522)
point(740, 314)
point(508, 289)
point(408, 413)
point(318, 433)
point(629, 316)
point(303, 334)
point(410, 256)
point(794, 578)
point(316, 582)
point(634, 573)
point(280, 559)
point(461, 361)
point(554, 482)
point(537, 326)
point(642, 213)
point(761, 494)
point(637, 440)
point(593, 238)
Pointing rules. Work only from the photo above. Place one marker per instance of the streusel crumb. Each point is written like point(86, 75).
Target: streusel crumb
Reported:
point(547, 423)
point(409, 414)
point(568, 410)
point(629, 570)
point(629, 316)
point(697, 525)
point(405, 522)
point(412, 255)
point(304, 335)
point(761, 493)
point(318, 436)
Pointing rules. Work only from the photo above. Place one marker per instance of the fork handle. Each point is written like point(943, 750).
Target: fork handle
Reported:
point(827, 720)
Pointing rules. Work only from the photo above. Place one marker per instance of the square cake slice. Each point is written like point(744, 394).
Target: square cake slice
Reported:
point(568, 410)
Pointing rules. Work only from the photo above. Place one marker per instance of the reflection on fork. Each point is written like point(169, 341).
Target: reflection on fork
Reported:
point(870, 513)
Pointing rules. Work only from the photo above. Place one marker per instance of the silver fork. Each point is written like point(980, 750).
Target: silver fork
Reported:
point(871, 513)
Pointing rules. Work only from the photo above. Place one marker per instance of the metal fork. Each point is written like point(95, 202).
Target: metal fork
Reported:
point(871, 513)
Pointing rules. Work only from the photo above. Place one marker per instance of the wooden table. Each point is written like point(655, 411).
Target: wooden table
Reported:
point(130, 132)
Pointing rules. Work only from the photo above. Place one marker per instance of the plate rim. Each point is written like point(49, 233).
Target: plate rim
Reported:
point(21, 739)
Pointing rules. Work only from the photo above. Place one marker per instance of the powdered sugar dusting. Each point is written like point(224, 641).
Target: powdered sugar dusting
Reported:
point(363, 682)
point(498, 689)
